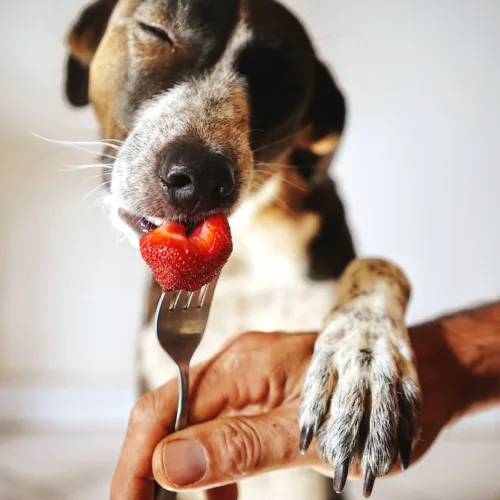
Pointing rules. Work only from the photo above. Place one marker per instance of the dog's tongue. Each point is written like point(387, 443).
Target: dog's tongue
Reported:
point(187, 261)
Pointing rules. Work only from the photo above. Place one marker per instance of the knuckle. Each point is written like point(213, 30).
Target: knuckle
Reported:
point(247, 349)
point(237, 349)
point(250, 339)
point(243, 448)
point(144, 410)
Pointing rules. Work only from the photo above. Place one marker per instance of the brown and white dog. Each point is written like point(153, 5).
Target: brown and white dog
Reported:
point(223, 106)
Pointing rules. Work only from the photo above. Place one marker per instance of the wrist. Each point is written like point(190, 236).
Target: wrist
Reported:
point(475, 338)
point(459, 355)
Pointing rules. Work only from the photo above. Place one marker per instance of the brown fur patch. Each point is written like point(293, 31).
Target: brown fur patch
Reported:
point(362, 276)
point(107, 77)
point(326, 146)
point(85, 35)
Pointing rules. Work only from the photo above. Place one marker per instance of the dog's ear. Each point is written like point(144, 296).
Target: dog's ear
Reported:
point(83, 39)
point(332, 248)
point(323, 125)
point(326, 115)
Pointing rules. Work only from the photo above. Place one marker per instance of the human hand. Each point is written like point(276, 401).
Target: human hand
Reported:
point(244, 406)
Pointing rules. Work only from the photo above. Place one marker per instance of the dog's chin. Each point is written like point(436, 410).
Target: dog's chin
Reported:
point(126, 226)
point(134, 226)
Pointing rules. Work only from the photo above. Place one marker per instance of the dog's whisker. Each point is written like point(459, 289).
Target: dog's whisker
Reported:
point(92, 177)
point(158, 214)
point(99, 186)
point(117, 147)
point(281, 203)
point(257, 187)
point(74, 168)
point(256, 130)
point(281, 165)
point(284, 179)
point(275, 198)
point(112, 140)
point(120, 238)
point(122, 126)
point(263, 148)
point(90, 151)
point(249, 143)
point(78, 143)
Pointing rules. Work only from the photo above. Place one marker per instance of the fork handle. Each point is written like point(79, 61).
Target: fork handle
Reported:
point(181, 419)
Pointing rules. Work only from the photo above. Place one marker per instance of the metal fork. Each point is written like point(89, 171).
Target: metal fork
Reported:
point(181, 319)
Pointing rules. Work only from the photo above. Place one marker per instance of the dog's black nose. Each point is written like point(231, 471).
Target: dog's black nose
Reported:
point(192, 176)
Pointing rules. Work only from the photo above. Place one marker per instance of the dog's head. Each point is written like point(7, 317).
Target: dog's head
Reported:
point(191, 95)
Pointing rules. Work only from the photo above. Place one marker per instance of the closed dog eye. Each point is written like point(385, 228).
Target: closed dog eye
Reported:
point(157, 32)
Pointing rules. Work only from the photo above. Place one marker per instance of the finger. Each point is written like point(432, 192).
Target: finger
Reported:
point(225, 450)
point(151, 418)
point(133, 477)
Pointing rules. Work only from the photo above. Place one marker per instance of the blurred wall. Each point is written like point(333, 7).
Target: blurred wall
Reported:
point(69, 290)
point(418, 170)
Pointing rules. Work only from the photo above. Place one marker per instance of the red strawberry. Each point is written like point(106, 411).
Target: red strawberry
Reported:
point(187, 261)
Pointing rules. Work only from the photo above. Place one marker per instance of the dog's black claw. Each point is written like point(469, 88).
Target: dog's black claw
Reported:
point(369, 482)
point(405, 453)
point(341, 476)
point(306, 436)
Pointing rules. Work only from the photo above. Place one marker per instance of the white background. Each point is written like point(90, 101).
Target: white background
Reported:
point(418, 169)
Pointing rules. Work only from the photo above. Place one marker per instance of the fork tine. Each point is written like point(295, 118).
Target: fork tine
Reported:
point(181, 301)
point(193, 300)
point(175, 299)
point(164, 302)
point(169, 298)
point(208, 293)
point(189, 300)
point(203, 294)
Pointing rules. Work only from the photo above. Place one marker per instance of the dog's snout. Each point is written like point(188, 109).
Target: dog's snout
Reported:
point(194, 177)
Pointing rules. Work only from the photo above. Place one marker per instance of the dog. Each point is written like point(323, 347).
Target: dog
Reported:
point(224, 106)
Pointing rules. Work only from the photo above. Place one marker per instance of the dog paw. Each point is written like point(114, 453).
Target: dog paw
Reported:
point(361, 397)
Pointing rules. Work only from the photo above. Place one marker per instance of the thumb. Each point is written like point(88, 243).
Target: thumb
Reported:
point(224, 450)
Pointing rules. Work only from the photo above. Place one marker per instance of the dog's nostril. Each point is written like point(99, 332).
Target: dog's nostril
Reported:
point(225, 189)
point(178, 180)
